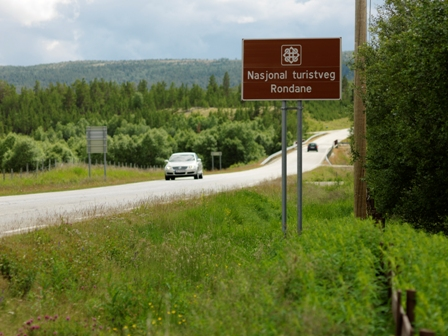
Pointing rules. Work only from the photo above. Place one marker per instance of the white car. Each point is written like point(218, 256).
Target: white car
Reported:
point(183, 165)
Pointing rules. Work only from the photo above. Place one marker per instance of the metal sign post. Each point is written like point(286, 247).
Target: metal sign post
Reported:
point(213, 155)
point(284, 171)
point(292, 69)
point(97, 143)
point(299, 167)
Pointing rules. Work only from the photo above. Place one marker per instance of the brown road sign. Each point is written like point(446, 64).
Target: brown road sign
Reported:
point(291, 69)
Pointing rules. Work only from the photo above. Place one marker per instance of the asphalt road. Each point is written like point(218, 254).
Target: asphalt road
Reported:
point(24, 212)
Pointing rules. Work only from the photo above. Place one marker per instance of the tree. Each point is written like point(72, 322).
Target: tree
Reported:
point(24, 151)
point(406, 75)
point(212, 94)
point(226, 84)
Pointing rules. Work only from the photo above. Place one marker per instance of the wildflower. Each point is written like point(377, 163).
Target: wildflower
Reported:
point(68, 318)
point(173, 312)
point(160, 319)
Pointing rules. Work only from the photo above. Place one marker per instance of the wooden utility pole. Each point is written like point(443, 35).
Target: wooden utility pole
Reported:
point(360, 116)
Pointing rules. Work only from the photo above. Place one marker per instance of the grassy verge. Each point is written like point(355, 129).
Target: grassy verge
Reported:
point(317, 126)
point(70, 177)
point(216, 265)
point(420, 262)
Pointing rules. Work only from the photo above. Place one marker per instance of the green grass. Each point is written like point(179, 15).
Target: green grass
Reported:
point(328, 173)
point(317, 125)
point(420, 262)
point(216, 265)
point(70, 177)
point(220, 265)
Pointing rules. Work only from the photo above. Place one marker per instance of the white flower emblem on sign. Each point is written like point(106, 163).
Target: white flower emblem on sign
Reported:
point(291, 55)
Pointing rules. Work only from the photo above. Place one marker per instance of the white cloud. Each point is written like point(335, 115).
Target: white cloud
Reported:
point(29, 12)
point(43, 31)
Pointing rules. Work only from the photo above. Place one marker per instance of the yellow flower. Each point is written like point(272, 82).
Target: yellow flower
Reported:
point(160, 319)
point(173, 312)
point(133, 326)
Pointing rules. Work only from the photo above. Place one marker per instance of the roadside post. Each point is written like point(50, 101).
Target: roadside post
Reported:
point(291, 70)
point(213, 163)
point(97, 143)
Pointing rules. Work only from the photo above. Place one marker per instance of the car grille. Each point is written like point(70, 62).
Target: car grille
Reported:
point(180, 167)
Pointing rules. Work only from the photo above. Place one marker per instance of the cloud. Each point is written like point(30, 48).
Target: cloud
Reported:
point(32, 12)
point(45, 31)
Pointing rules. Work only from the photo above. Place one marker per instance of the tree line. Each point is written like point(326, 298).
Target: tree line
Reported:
point(178, 71)
point(144, 124)
point(406, 74)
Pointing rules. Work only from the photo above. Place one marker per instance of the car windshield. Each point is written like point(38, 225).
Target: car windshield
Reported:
point(181, 158)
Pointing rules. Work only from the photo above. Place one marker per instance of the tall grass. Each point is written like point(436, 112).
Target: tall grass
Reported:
point(68, 177)
point(420, 262)
point(216, 265)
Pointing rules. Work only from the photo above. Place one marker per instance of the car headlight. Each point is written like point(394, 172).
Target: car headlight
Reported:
point(192, 167)
point(168, 167)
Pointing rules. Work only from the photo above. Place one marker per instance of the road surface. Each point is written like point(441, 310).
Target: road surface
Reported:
point(25, 212)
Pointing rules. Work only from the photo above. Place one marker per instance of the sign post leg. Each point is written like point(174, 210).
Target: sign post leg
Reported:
point(299, 167)
point(90, 162)
point(284, 171)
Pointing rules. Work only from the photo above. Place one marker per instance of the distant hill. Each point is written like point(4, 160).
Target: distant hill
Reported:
point(177, 71)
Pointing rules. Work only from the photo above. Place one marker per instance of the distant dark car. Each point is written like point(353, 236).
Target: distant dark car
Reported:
point(312, 146)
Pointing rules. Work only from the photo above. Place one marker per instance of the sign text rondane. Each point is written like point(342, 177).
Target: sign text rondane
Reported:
point(280, 69)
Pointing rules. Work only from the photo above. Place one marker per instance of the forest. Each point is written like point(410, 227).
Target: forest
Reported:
point(153, 71)
point(145, 124)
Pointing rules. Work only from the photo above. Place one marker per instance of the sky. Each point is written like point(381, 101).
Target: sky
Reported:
point(52, 31)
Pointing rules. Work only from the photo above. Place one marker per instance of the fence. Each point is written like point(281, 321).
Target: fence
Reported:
point(404, 320)
point(42, 167)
